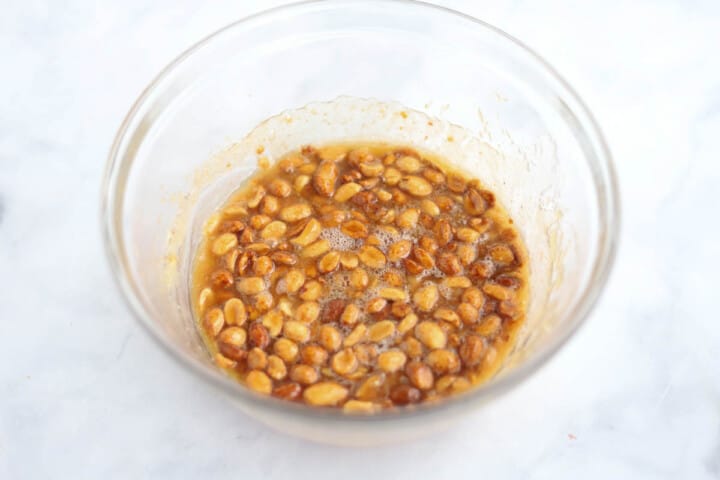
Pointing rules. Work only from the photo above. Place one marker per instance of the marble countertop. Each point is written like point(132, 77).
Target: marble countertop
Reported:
point(85, 392)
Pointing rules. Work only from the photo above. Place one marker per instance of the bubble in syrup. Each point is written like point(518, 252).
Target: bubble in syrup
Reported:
point(338, 240)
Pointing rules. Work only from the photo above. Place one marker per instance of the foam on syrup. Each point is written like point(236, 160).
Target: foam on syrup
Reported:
point(339, 241)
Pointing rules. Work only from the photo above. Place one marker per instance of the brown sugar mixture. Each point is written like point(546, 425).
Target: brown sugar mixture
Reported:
point(364, 277)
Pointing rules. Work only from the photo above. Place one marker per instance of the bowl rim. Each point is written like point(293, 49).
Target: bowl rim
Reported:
point(601, 268)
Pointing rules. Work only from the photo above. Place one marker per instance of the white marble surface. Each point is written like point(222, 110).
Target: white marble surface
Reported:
point(85, 393)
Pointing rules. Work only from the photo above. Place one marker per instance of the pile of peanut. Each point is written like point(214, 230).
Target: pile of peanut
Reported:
point(363, 278)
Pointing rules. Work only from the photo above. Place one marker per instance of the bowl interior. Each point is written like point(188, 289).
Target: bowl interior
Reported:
point(347, 71)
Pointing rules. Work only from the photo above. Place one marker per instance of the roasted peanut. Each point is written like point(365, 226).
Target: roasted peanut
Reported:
point(443, 361)
point(349, 260)
point(296, 331)
point(330, 338)
point(420, 375)
point(250, 285)
point(309, 234)
point(256, 359)
point(294, 213)
point(501, 254)
point(329, 262)
point(224, 243)
point(430, 207)
point(426, 297)
point(375, 305)
point(344, 362)
point(359, 279)
point(399, 250)
point(314, 355)
point(489, 326)
point(258, 381)
point(214, 321)
point(372, 257)
point(276, 368)
point(471, 350)
point(235, 313)
point(279, 188)
point(347, 191)
point(307, 312)
point(391, 361)
point(350, 315)
point(304, 374)
point(289, 391)
point(394, 294)
point(408, 164)
point(273, 322)
point(497, 291)
point(447, 315)
point(273, 230)
point(448, 263)
point(285, 349)
point(474, 297)
point(357, 406)
point(417, 186)
point(315, 249)
point(430, 334)
point(325, 177)
point(468, 313)
point(357, 335)
point(311, 291)
point(325, 394)
point(258, 335)
point(381, 330)
point(354, 229)
point(457, 282)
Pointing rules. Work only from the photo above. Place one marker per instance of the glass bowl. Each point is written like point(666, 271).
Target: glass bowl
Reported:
point(381, 70)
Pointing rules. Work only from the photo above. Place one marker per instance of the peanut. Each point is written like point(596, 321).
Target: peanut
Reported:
point(399, 250)
point(407, 323)
point(273, 230)
point(372, 257)
point(344, 362)
point(296, 331)
point(431, 335)
point(417, 186)
point(250, 285)
point(349, 260)
point(329, 262)
point(294, 213)
point(279, 188)
point(235, 313)
point(286, 349)
point(304, 374)
point(325, 394)
point(259, 382)
point(350, 315)
point(307, 312)
point(420, 375)
point(381, 330)
point(309, 234)
point(347, 191)
point(324, 178)
point(315, 249)
point(224, 243)
point(314, 355)
point(276, 367)
point(357, 335)
point(214, 321)
point(391, 361)
point(426, 297)
point(330, 338)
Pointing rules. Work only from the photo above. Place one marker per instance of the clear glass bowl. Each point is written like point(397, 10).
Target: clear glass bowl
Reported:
point(498, 110)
